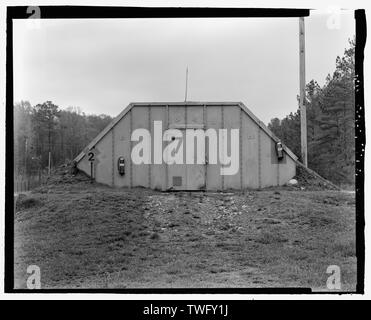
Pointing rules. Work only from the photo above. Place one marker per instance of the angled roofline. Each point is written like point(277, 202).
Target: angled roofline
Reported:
point(267, 131)
point(187, 103)
point(103, 132)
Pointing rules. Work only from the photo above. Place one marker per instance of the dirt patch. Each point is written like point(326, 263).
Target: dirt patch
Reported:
point(308, 180)
point(27, 202)
point(85, 235)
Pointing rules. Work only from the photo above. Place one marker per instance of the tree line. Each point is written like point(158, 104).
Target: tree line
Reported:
point(330, 123)
point(46, 129)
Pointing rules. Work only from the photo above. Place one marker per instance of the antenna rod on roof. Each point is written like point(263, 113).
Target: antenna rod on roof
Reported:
point(186, 85)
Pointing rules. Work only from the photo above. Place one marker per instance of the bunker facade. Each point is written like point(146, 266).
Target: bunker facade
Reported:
point(187, 146)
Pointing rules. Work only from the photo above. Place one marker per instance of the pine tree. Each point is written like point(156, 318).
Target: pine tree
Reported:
point(330, 123)
point(335, 145)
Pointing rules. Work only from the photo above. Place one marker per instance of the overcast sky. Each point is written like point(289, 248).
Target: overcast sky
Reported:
point(101, 65)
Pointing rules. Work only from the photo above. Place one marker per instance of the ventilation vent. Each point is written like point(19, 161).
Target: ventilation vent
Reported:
point(177, 181)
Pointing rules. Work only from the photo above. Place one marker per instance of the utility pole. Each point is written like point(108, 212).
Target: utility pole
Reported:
point(303, 111)
point(186, 85)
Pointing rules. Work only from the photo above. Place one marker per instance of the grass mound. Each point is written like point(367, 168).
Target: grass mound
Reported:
point(310, 180)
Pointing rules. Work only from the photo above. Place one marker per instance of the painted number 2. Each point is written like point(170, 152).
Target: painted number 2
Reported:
point(91, 156)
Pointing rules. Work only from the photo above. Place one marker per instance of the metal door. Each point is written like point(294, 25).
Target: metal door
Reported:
point(186, 176)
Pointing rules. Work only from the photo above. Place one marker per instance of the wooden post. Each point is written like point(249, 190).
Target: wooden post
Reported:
point(25, 157)
point(303, 111)
point(49, 163)
point(91, 171)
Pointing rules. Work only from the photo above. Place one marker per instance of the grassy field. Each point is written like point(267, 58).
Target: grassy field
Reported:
point(84, 235)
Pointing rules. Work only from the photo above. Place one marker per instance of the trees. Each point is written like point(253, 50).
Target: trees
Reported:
point(46, 128)
point(336, 142)
point(45, 118)
point(330, 123)
point(23, 138)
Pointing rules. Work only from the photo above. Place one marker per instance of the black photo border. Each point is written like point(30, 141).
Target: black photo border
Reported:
point(102, 12)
